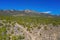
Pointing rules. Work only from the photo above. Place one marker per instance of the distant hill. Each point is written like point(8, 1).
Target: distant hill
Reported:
point(25, 13)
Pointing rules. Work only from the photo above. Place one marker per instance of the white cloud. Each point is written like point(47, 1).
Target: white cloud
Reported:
point(47, 12)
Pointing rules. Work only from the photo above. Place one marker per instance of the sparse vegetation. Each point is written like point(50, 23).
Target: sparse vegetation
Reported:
point(8, 27)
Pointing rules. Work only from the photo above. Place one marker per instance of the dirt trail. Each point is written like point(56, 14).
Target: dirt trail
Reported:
point(27, 32)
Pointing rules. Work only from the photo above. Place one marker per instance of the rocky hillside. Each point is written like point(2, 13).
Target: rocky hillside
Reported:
point(24, 13)
point(15, 31)
point(28, 25)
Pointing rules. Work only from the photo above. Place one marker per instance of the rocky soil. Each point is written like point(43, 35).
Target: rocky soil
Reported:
point(16, 31)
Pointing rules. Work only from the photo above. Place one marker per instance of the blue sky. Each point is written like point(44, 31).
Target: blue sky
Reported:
point(37, 5)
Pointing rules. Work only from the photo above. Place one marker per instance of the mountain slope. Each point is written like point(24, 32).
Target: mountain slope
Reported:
point(23, 13)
